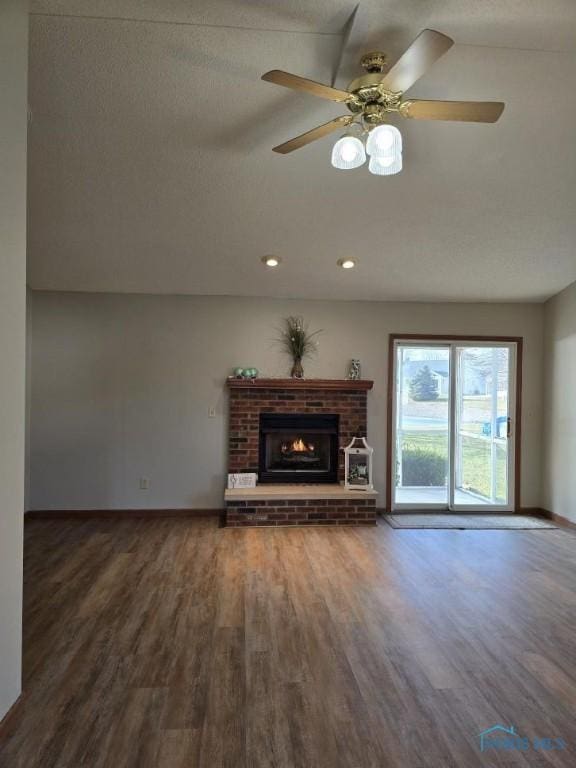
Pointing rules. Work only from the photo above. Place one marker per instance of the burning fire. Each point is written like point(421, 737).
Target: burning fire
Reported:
point(298, 446)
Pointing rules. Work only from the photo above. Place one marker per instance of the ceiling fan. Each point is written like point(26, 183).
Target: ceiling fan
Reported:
point(377, 94)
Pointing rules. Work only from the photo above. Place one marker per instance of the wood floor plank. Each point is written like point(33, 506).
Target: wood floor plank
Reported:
point(172, 643)
point(178, 749)
point(223, 734)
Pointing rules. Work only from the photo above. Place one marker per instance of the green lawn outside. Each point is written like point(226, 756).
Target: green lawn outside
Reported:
point(476, 410)
point(476, 460)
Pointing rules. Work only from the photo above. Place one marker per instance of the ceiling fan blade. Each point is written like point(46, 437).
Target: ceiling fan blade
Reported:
point(466, 111)
point(298, 83)
point(428, 47)
point(315, 133)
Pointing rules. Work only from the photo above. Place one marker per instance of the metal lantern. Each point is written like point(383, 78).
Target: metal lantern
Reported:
point(358, 465)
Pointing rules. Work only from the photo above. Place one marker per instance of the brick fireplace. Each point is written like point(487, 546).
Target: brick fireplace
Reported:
point(339, 402)
point(248, 399)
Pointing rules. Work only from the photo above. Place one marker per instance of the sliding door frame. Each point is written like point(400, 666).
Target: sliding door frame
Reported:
point(412, 338)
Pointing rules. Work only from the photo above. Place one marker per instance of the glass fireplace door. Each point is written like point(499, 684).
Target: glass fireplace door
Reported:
point(298, 448)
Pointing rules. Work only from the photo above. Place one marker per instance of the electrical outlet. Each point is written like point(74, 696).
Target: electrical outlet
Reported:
point(144, 484)
point(212, 413)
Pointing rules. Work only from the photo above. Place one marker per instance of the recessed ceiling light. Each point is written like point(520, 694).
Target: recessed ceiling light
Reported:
point(346, 263)
point(271, 261)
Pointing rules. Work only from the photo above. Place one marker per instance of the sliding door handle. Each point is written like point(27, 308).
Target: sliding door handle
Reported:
point(508, 427)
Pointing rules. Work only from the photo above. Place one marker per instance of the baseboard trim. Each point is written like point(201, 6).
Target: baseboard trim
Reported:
point(9, 717)
point(563, 521)
point(534, 511)
point(83, 514)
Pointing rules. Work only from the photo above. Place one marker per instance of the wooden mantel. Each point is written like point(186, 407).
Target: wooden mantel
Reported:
point(340, 385)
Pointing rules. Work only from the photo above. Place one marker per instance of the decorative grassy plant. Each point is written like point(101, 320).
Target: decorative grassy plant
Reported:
point(298, 342)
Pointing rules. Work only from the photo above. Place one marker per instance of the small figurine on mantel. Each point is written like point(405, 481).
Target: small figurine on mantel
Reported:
point(354, 372)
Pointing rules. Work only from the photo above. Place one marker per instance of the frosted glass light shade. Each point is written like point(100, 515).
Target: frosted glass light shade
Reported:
point(386, 166)
point(348, 152)
point(384, 141)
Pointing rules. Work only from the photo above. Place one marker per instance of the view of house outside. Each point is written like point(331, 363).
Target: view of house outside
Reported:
point(423, 420)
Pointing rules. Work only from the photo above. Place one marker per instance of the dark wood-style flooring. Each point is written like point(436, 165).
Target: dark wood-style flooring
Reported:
point(171, 643)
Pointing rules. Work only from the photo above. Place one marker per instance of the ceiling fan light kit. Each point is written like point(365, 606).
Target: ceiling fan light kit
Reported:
point(384, 141)
point(375, 95)
point(348, 152)
point(385, 166)
point(384, 145)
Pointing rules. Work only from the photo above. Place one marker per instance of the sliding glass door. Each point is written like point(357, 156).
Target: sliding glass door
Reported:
point(422, 426)
point(453, 407)
point(483, 427)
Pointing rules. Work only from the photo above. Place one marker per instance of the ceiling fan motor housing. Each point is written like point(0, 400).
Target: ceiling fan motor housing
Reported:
point(369, 97)
point(374, 113)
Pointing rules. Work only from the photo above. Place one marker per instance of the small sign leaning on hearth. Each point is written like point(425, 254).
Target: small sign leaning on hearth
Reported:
point(242, 480)
point(358, 465)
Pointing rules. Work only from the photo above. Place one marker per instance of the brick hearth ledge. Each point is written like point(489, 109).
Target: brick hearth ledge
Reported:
point(299, 505)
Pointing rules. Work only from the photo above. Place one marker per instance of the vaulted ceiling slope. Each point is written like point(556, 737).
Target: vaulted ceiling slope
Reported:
point(151, 170)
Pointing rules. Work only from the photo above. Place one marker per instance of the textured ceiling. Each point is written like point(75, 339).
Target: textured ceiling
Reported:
point(150, 163)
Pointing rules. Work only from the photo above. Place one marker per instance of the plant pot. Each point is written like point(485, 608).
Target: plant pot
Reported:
point(297, 371)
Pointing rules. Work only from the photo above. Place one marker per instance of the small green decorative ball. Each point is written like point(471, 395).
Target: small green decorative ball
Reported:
point(238, 372)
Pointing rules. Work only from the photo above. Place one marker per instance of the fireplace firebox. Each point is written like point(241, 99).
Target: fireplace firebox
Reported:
point(298, 448)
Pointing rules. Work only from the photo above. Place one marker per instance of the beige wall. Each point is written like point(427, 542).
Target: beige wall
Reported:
point(559, 404)
point(122, 385)
point(13, 111)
